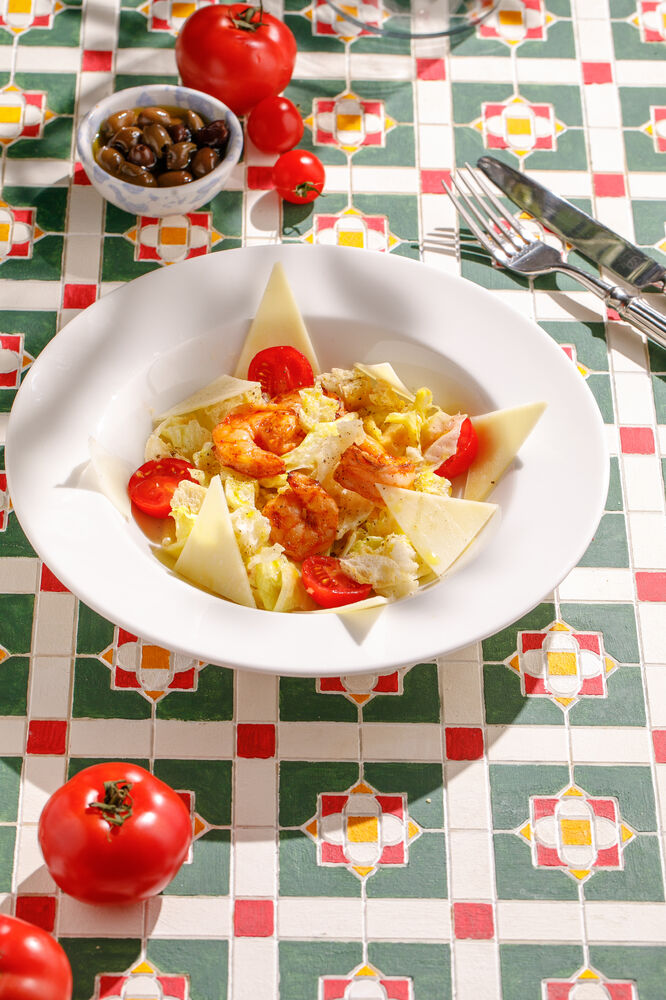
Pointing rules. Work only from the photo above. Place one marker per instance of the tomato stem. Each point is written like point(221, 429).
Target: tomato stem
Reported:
point(117, 805)
point(245, 21)
point(304, 189)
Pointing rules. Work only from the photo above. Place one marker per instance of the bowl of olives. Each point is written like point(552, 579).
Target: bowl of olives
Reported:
point(159, 149)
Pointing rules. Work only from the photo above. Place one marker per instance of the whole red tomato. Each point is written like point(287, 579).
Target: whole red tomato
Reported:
point(114, 833)
point(275, 125)
point(237, 53)
point(299, 176)
point(33, 966)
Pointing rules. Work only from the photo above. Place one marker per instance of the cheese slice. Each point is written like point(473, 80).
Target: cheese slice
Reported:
point(220, 389)
point(370, 602)
point(501, 435)
point(385, 372)
point(110, 475)
point(440, 528)
point(278, 321)
point(211, 557)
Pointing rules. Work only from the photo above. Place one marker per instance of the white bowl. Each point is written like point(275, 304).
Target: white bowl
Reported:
point(167, 200)
point(142, 348)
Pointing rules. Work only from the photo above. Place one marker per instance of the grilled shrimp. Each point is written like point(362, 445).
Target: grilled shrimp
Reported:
point(304, 519)
point(364, 465)
point(253, 441)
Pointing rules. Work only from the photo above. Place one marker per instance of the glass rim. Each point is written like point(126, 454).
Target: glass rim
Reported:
point(380, 32)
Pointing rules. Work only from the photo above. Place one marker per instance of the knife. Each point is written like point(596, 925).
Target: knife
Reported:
point(593, 239)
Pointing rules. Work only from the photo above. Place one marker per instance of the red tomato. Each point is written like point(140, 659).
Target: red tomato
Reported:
point(114, 833)
point(33, 966)
point(299, 176)
point(328, 585)
point(280, 369)
point(275, 125)
point(154, 483)
point(237, 52)
point(460, 461)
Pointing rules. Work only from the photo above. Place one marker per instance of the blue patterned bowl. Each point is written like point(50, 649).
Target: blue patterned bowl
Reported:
point(167, 200)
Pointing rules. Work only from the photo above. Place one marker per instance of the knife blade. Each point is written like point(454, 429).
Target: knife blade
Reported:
point(593, 239)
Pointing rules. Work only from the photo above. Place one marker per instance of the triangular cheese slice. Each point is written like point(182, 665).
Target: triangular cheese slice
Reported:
point(501, 435)
point(110, 475)
point(370, 602)
point(211, 557)
point(278, 321)
point(384, 372)
point(440, 528)
point(222, 388)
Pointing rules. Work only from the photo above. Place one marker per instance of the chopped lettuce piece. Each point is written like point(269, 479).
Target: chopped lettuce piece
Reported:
point(276, 581)
point(321, 449)
point(390, 565)
point(186, 503)
point(176, 437)
point(316, 407)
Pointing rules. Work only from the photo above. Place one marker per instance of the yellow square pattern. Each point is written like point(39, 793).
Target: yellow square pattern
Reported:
point(511, 17)
point(4, 232)
point(19, 7)
point(10, 113)
point(183, 9)
point(518, 126)
point(351, 238)
point(576, 832)
point(173, 235)
point(362, 829)
point(562, 664)
point(349, 123)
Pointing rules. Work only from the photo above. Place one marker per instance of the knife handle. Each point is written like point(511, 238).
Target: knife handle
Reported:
point(639, 311)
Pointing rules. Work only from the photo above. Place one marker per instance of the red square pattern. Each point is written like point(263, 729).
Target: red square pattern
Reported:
point(659, 740)
point(464, 744)
point(80, 176)
point(79, 296)
point(473, 920)
point(260, 178)
point(597, 72)
point(254, 918)
point(254, 739)
point(99, 61)
point(38, 910)
point(47, 736)
point(609, 185)
point(637, 440)
point(651, 586)
point(431, 181)
point(431, 69)
point(50, 583)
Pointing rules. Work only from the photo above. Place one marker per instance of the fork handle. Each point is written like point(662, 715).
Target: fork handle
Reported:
point(633, 308)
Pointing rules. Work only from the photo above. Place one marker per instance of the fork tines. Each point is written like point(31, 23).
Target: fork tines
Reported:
point(493, 226)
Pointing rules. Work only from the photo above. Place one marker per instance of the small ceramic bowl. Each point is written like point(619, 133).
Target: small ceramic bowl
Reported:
point(159, 201)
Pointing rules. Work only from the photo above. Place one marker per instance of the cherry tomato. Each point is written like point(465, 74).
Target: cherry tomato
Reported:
point(114, 833)
point(33, 966)
point(275, 125)
point(154, 483)
point(460, 461)
point(299, 176)
point(236, 52)
point(326, 583)
point(280, 369)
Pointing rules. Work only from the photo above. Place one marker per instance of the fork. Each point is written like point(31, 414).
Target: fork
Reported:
point(511, 244)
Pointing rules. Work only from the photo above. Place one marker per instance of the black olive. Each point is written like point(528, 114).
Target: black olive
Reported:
point(142, 155)
point(179, 132)
point(110, 159)
point(216, 134)
point(157, 137)
point(178, 156)
point(204, 160)
point(157, 116)
point(126, 138)
point(134, 174)
point(171, 178)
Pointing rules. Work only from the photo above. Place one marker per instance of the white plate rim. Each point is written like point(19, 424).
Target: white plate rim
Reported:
point(305, 645)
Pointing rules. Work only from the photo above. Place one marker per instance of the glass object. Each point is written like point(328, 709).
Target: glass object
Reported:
point(408, 18)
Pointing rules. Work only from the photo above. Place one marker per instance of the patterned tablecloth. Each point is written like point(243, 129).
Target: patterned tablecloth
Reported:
point(488, 826)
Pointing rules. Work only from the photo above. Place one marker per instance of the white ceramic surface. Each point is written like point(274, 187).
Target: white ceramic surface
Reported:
point(144, 347)
point(159, 201)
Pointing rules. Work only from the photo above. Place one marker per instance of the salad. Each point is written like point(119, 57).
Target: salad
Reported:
point(290, 489)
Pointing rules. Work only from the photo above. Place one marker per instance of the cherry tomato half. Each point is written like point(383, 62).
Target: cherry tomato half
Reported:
point(299, 176)
point(33, 966)
point(114, 833)
point(460, 461)
point(280, 369)
point(154, 483)
point(328, 586)
point(237, 52)
point(275, 125)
